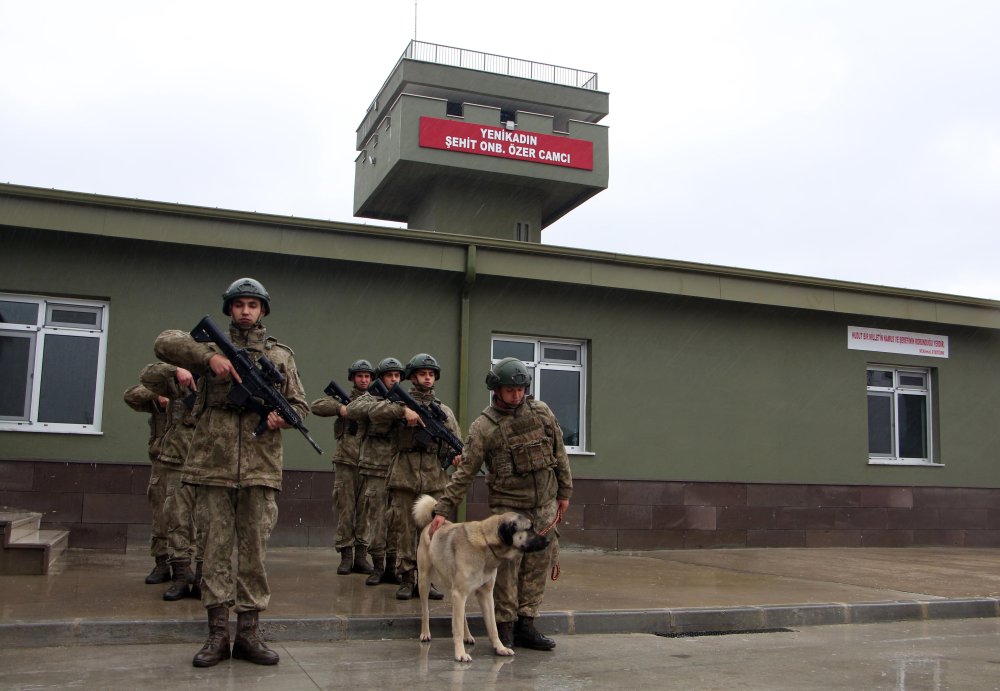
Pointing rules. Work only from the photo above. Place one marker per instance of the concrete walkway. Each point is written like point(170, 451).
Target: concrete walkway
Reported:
point(100, 598)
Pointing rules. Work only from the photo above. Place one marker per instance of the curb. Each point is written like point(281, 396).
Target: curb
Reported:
point(676, 621)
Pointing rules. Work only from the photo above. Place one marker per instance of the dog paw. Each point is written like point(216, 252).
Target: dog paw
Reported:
point(469, 641)
point(425, 638)
point(464, 657)
point(506, 652)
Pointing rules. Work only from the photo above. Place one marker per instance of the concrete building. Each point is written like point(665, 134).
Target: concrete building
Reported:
point(702, 405)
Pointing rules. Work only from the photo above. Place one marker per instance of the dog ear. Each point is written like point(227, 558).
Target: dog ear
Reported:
point(506, 531)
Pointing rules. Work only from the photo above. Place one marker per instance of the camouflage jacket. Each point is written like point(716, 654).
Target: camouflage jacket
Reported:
point(524, 455)
point(160, 378)
point(378, 447)
point(224, 451)
point(416, 466)
point(349, 431)
point(142, 400)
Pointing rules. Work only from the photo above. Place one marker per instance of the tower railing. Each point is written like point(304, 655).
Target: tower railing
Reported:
point(484, 62)
point(500, 64)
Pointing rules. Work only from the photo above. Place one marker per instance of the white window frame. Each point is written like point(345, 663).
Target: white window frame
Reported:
point(893, 392)
point(37, 333)
point(539, 363)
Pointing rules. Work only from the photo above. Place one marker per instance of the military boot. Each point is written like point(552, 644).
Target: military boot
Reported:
point(390, 575)
point(346, 561)
point(160, 572)
point(378, 568)
point(361, 564)
point(183, 578)
point(527, 636)
point(216, 648)
point(195, 591)
point(407, 581)
point(249, 645)
point(434, 593)
point(505, 629)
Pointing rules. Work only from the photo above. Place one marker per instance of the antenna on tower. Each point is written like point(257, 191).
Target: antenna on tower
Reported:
point(414, 20)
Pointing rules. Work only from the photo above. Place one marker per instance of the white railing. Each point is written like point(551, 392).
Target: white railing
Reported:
point(485, 62)
point(499, 64)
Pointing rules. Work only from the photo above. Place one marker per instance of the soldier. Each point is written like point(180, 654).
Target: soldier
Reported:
point(178, 384)
point(521, 444)
point(352, 532)
point(416, 468)
point(237, 474)
point(378, 448)
point(142, 400)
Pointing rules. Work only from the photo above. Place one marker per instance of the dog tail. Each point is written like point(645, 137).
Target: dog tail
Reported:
point(423, 510)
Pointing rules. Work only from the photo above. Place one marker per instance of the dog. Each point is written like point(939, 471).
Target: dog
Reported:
point(462, 558)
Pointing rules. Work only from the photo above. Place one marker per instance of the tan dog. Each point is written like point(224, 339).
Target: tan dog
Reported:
point(462, 558)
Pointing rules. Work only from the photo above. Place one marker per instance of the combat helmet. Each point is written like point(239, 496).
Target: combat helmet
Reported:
point(422, 361)
point(389, 364)
point(360, 366)
point(246, 288)
point(508, 372)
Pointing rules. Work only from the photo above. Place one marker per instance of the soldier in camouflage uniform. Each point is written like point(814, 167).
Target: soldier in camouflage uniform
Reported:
point(378, 448)
point(142, 400)
point(520, 442)
point(416, 468)
point(348, 501)
point(178, 384)
point(238, 474)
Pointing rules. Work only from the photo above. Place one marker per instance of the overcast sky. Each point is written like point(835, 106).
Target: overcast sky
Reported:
point(857, 140)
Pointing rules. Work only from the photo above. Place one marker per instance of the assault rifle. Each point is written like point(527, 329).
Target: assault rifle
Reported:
point(333, 390)
point(256, 393)
point(378, 388)
point(431, 415)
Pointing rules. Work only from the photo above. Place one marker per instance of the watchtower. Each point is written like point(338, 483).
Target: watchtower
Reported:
point(465, 142)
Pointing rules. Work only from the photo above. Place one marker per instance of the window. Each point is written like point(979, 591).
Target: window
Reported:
point(558, 377)
point(899, 425)
point(524, 232)
point(52, 354)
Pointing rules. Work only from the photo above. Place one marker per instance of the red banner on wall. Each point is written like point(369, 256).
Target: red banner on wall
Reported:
point(454, 135)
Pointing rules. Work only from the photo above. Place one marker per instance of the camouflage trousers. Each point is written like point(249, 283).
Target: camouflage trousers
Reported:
point(374, 510)
point(348, 503)
point(406, 534)
point(185, 537)
point(521, 581)
point(242, 518)
point(161, 478)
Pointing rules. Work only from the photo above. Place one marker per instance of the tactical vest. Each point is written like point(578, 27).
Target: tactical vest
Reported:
point(342, 427)
point(527, 445)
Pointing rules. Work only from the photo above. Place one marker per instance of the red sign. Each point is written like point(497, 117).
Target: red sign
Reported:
point(553, 150)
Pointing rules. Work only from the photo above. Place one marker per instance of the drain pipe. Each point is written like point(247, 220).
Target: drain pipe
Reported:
point(463, 342)
point(463, 348)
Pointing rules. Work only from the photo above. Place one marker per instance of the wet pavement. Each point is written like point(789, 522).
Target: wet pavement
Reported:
point(100, 598)
point(944, 654)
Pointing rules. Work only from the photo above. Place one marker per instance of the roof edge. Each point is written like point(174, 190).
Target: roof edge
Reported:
point(453, 239)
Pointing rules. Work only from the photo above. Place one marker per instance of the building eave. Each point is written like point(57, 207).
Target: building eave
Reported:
point(144, 220)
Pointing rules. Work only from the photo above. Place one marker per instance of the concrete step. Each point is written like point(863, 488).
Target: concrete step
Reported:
point(15, 524)
point(25, 549)
point(33, 554)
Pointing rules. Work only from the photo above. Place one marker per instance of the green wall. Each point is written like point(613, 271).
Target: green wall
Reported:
point(331, 313)
point(694, 389)
point(680, 388)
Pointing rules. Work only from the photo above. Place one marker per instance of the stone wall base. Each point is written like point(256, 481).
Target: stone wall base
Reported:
point(104, 506)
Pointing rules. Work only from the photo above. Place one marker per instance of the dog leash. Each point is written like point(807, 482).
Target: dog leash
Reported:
point(556, 571)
